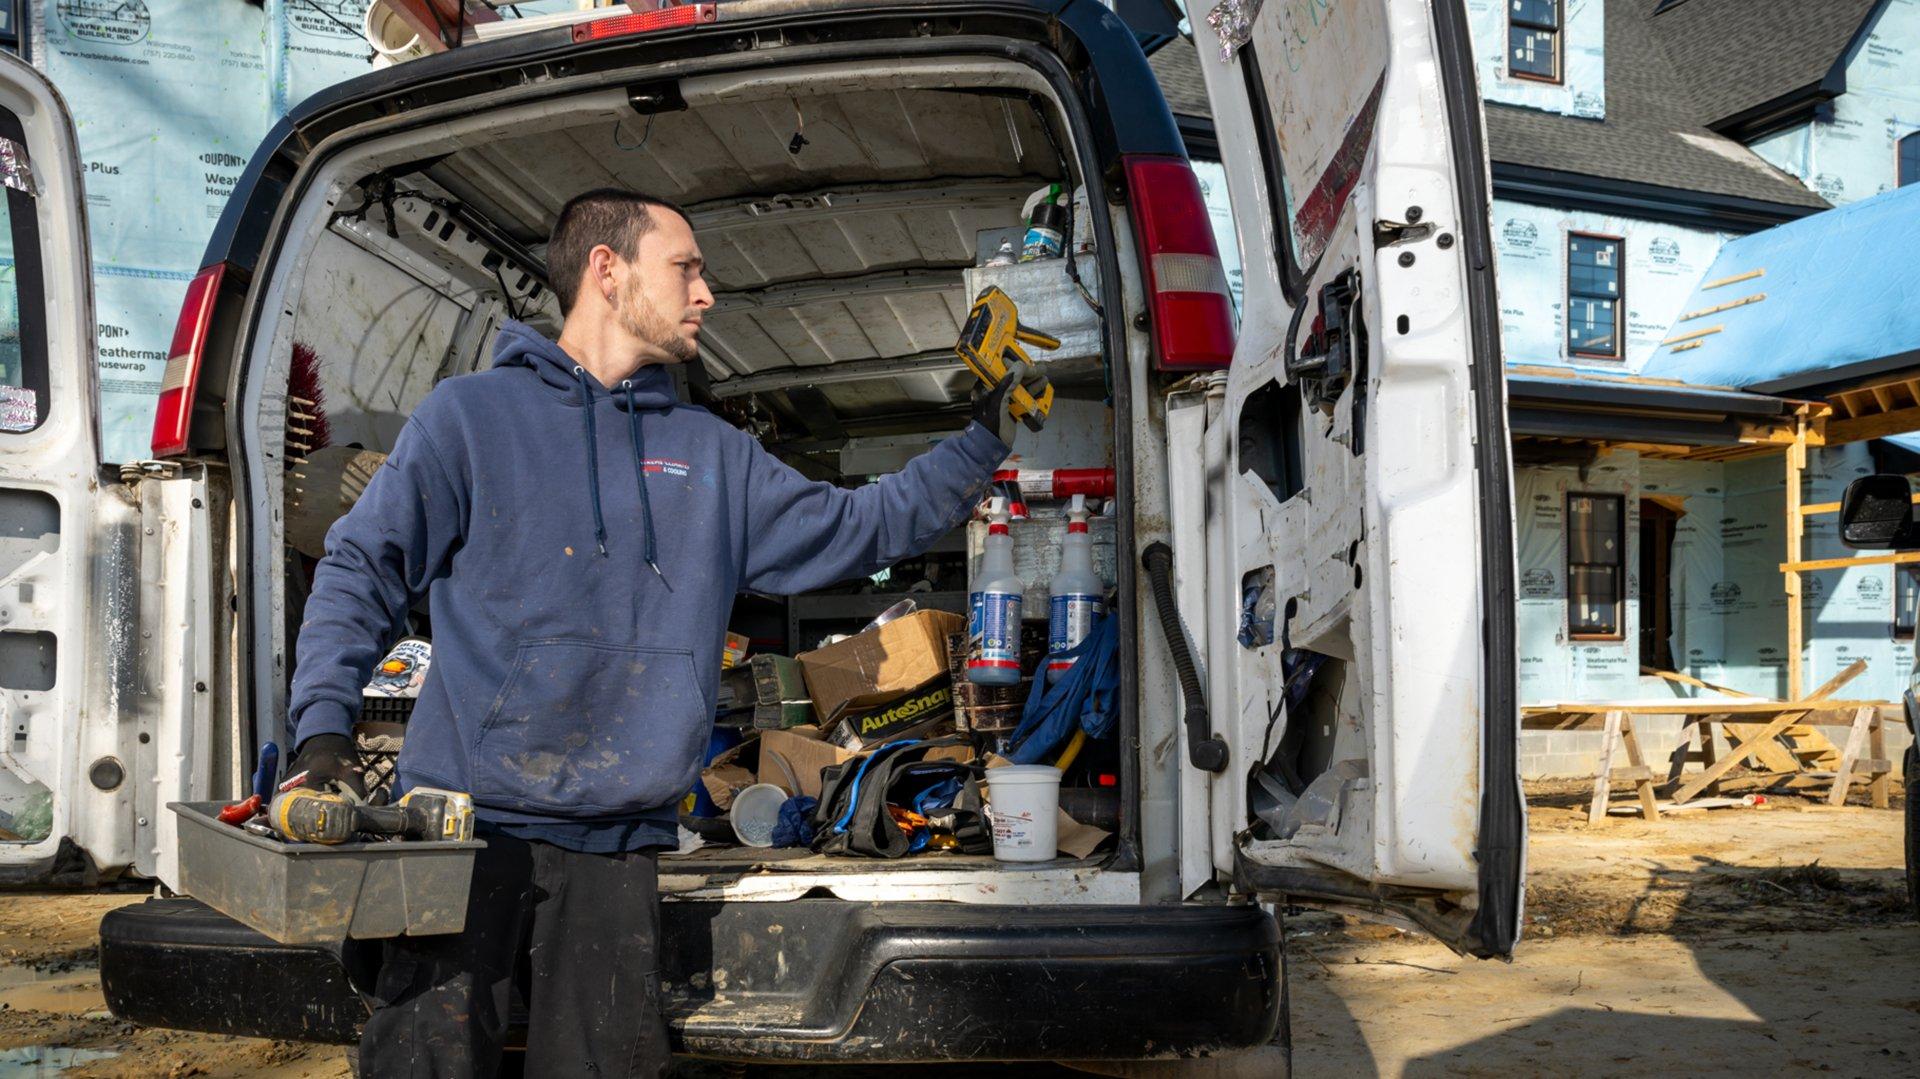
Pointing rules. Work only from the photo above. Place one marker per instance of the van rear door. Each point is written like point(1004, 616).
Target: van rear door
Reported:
point(1357, 519)
point(108, 581)
point(54, 681)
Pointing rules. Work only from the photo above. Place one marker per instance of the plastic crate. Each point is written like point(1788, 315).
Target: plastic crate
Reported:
point(309, 893)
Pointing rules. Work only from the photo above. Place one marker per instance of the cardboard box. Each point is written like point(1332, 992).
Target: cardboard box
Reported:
point(780, 692)
point(872, 668)
point(917, 711)
point(805, 751)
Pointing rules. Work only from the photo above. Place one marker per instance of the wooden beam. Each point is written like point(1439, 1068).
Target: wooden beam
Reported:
point(1603, 774)
point(1796, 463)
point(1856, 741)
point(1728, 306)
point(1861, 428)
point(1681, 706)
point(1900, 558)
point(1706, 331)
point(1832, 685)
point(1642, 775)
point(1734, 280)
point(1834, 507)
point(1740, 753)
point(1689, 680)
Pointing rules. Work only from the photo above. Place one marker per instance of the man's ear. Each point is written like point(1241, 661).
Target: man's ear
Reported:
point(600, 263)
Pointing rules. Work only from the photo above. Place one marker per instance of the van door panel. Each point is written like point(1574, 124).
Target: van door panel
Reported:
point(1358, 599)
point(55, 711)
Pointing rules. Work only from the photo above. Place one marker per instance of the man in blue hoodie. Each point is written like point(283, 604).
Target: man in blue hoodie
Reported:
point(579, 535)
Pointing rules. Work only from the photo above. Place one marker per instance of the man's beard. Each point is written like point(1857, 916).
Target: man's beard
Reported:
point(644, 320)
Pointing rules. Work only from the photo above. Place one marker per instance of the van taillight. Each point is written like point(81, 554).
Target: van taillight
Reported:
point(1187, 294)
point(170, 419)
point(646, 22)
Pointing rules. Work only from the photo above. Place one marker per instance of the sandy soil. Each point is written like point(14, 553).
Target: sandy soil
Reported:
point(1752, 940)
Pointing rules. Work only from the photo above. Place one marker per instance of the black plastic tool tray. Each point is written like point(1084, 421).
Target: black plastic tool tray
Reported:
point(309, 893)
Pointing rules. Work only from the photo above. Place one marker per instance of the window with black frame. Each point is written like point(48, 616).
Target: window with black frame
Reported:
point(1596, 560)
point(1907, 155)
point(1533, 39)
point(1594, 294)
point(23, 346)
point(1906, 600)
point(12, 28)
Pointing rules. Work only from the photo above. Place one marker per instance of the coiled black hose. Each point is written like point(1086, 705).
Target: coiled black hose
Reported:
point(1207, 752)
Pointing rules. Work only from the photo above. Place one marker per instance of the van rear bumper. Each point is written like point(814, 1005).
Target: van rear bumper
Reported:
point(811, 979)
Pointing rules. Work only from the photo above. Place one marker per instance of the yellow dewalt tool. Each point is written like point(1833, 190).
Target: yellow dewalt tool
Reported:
point(991, 340)
point(306, 815)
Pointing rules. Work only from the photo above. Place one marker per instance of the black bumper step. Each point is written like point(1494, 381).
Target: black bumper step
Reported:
point(811, 979)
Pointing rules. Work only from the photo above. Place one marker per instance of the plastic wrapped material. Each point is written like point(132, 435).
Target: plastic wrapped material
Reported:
point(1049, 302)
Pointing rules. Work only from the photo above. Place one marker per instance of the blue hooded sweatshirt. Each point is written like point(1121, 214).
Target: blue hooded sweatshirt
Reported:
point(580, 547)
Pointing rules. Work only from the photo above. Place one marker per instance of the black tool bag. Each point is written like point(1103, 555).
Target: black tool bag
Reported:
point(852, 816)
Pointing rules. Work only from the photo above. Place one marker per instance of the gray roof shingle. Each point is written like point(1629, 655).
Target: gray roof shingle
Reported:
point(1736, 54)
point(1652, 133)
point(1177, 66)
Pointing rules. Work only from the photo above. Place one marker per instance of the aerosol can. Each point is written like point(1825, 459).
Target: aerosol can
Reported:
point(995, 660)
point(1076, 595)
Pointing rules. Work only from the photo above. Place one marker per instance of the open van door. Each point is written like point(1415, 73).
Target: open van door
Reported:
point(105, 649)
point(49, 475)
point(1357, 618)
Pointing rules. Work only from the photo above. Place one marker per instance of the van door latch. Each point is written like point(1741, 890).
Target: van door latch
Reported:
point(1394, 233)
point(1335, 346)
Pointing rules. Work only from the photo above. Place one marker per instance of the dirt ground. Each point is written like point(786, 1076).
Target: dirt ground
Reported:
point(1756, 940)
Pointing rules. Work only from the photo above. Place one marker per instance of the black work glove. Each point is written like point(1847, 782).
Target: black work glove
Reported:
point(329, 761)
point(993, 409)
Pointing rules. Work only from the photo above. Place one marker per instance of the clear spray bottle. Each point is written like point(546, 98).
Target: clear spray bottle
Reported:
point(996, 607)
point(1076, 595)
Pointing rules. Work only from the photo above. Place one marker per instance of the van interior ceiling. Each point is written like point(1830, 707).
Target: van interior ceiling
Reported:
point(844, 216)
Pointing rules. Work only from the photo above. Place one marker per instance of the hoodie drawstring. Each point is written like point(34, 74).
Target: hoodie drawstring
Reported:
point(640, 476)
point(593, 461)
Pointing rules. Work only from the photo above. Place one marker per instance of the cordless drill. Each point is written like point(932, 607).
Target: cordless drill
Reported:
point(308, 815)
point(991, 339)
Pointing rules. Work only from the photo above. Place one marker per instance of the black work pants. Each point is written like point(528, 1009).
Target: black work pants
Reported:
point(579, 933)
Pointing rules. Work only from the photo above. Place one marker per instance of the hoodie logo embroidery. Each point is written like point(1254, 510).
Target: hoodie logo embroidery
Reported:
point(664, 467)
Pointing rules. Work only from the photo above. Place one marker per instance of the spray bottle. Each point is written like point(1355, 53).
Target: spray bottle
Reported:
point(996, 607)
point(1075, 597)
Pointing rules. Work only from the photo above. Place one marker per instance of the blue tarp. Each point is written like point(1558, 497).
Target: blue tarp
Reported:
point(1837, 296)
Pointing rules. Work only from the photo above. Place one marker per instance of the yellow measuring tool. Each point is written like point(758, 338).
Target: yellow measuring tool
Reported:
point(991, 340)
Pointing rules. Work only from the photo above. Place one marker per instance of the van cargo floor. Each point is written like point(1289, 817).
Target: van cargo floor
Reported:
point(800, 860)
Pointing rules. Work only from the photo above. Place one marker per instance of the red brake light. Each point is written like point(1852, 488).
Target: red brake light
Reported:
point(646, 22)
point(1187, 294)
point(183, 362)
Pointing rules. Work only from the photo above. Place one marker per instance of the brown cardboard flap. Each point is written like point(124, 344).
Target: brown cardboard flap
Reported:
point(805, 752)
point(723, 781)
point(871, 668)
point(1076, 840)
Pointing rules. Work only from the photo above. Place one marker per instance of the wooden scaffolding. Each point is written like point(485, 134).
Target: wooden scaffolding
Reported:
point(1782, 738)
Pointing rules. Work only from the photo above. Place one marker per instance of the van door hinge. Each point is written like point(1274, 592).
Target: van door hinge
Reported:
point(135, 471)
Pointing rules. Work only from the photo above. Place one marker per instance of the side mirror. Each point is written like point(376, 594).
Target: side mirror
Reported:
point(1877, 514)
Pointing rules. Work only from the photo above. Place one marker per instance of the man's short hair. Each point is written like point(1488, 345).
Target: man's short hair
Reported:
point(605, 215)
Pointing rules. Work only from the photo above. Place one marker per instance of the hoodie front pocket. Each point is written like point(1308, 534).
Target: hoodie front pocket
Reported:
point(591, 729)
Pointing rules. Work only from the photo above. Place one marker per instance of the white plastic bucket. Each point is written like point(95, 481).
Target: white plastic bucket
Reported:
point(392, 39)
point(754, 813)
point(1023, 801)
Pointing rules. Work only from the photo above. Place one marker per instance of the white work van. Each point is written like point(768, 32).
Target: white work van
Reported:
point(1321, 712)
